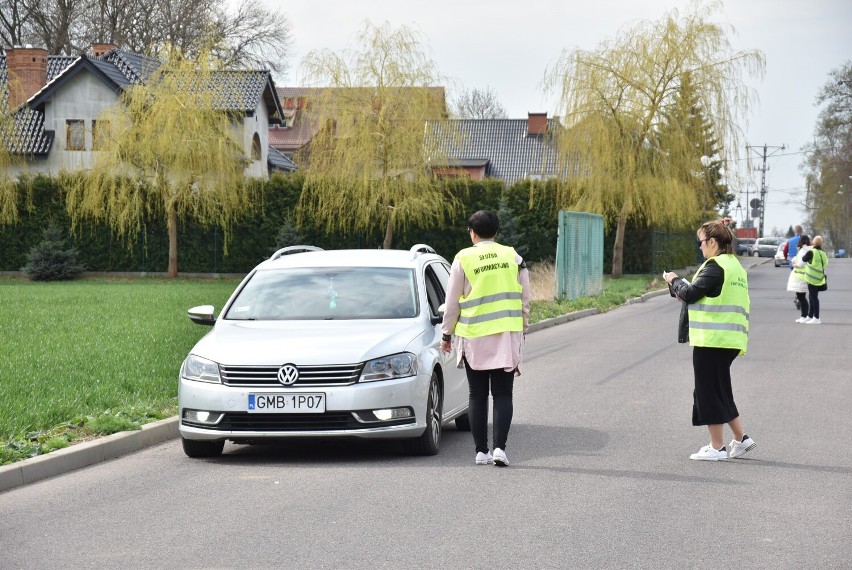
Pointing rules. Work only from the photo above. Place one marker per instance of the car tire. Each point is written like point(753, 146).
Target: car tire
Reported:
point(463, 423)
point(755, 254)
point(198, 448)
point(429, 443)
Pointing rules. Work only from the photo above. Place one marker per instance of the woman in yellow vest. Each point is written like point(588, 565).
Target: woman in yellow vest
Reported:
point(714, 320)
point(796, 282)
point(487, 308)
point(816, 261)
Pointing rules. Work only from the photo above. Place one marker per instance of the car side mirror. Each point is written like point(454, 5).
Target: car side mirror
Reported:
point(202, 315)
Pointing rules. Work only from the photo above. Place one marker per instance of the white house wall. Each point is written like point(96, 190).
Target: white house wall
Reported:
point(257, 123)
point(82, 97)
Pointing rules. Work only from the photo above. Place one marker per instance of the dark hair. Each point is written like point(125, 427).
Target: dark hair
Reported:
point(719, 230)
point(803, 240)
point(484, 223)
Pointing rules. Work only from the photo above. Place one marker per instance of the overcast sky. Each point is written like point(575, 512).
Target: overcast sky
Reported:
point(508, 45)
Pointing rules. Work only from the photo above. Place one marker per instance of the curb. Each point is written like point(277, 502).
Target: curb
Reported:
point(85, 454)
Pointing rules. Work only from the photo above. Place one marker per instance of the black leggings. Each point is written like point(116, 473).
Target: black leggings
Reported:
point(813, 295)
point(500, 383)
point(803, 303)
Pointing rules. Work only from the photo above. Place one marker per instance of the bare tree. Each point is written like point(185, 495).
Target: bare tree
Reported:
point(478, 104)
point(14, 15)
point(254, 35)
point(53, 23)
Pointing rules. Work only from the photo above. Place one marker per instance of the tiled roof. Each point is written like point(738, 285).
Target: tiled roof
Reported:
point(28, 136)
point(511, 153)
point(278, 162)
point(293, 138)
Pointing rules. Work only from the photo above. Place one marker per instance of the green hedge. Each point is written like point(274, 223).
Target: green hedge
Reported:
point(528, 224)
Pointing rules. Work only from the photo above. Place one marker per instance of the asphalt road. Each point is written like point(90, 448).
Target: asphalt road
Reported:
point(600, 474)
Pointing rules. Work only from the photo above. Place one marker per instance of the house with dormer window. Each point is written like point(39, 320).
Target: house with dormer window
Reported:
point(57, 101)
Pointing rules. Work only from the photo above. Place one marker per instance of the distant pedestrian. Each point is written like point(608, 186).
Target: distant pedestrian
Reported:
point(791, 247)
point(487, 309)
point(714, 320)
point(796, 282)
point(816, 261)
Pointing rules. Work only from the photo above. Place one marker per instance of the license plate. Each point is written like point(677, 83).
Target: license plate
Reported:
point(286, 403)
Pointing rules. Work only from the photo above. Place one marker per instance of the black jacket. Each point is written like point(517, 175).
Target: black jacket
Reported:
point(708, 283)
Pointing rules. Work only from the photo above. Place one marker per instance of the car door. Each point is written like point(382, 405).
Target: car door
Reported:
point(455, 380)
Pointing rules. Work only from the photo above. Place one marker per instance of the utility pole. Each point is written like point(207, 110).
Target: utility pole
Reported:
point(761, 205)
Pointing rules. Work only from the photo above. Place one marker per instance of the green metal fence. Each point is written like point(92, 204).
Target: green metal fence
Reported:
point(579, 255)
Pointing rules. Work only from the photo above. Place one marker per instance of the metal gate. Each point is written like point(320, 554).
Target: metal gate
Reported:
point(579, 255)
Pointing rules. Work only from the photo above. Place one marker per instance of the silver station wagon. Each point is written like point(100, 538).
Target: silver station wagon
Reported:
point(325, 344)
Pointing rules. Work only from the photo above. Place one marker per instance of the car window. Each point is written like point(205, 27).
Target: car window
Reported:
point(327, 293)
point(435, 286)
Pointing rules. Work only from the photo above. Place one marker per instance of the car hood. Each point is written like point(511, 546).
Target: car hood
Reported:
point(259, 343)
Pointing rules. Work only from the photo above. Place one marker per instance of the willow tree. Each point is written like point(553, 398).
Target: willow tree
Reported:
point(368, 165)
point(615, 100)
point(167, 150)
point(10, 159)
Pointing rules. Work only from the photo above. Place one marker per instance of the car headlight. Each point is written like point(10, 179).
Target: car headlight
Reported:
point(389, 367)
point(200, 370)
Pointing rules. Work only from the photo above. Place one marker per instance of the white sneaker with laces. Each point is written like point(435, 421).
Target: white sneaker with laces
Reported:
point(484, 458)
point(739, 448)
point(802, 320)
point(707, 453)
point(500, 458)
point(813, 321)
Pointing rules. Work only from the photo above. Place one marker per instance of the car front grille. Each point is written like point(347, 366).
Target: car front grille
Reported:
point(329, 375)
point(329, 421)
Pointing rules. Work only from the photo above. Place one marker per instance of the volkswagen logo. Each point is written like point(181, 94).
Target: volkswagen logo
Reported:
point(288, 374)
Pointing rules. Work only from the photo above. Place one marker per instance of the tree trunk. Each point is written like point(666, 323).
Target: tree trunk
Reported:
point(618, 248)
point(389, 231)
point(172, 227)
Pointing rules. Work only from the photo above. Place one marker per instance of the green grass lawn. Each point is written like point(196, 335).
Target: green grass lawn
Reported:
point(97, 356)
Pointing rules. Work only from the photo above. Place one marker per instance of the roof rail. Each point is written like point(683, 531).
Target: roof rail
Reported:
point(421, 248)
point(294, 249)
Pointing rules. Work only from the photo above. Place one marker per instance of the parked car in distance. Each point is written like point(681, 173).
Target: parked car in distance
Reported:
point(320, 344)
point(766, 246)
point(780, 258)
point(744, 245)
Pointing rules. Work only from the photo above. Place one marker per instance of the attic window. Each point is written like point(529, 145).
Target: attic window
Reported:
point(75, 134)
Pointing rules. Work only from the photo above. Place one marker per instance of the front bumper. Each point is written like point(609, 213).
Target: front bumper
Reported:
point(337, 421)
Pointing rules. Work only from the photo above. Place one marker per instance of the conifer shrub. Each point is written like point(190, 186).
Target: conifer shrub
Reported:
point(52, 259)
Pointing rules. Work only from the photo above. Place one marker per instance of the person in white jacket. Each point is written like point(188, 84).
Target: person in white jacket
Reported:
point(796, 282)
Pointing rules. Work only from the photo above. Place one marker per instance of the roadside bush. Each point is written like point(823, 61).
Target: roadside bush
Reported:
point(52, 259)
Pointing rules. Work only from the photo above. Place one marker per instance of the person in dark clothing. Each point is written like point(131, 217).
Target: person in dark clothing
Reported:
point(714, 320)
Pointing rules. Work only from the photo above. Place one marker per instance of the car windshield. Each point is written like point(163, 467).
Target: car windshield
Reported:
point(324, 293)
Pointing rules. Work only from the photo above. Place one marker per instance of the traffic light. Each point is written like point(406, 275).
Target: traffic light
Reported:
point(755, 212)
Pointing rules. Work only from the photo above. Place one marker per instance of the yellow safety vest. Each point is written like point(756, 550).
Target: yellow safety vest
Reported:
point(722, 322)
point(799, 272)
point(494, 303)
point(815, 268)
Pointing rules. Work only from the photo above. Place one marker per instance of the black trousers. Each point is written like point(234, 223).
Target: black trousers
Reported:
point(803, 303)
point(500, 384)
point(813, 297)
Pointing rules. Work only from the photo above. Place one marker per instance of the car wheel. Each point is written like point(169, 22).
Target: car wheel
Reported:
point(463, 423)
point(430, 442)
point(756, 254)
point(198, 448)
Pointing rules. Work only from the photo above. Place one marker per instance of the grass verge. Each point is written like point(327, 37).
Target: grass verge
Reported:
point(96, 356)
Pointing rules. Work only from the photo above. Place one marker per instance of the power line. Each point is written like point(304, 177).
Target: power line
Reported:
point(761, 203)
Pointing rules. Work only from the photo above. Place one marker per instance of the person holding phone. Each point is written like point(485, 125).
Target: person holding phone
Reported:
point(714, 320)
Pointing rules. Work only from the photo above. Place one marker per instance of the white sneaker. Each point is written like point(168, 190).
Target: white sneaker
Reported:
point(500, 458)
point(484, 458)
point(739, 448)
point(813, 321)
point(707, 453)
point(802, 320)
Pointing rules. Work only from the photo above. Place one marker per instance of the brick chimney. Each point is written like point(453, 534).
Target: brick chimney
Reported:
point(536, 124)
point(99, 49)
point(27, 68)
